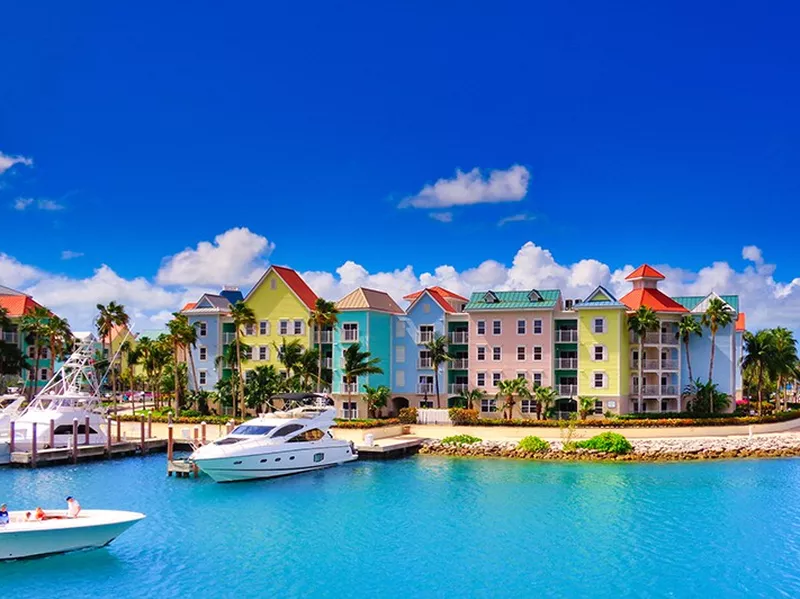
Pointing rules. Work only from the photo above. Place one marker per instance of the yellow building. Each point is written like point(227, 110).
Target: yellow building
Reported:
point(603, 350)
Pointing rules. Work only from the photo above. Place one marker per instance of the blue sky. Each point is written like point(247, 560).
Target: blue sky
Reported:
point(153, 127)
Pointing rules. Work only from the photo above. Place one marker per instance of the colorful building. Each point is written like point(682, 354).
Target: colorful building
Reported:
point(16, 305)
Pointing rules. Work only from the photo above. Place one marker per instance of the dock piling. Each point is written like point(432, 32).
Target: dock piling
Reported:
point(203, 432)
point(33, 446)
point(196, 435)
point(74, 440)
point(52, 433)
point(169, 442)
point(86, 431)
point(149, 425)
point(12, 436)
point(119, 427)
point(144, 446)
point(108, 437)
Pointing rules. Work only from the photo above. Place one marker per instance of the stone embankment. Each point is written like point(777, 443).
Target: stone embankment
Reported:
point(644, 450)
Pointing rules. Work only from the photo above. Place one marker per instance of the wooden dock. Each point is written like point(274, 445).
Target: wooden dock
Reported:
point(82, 453)
point(390, 448)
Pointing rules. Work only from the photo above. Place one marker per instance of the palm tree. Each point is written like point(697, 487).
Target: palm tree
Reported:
point(109, 317)
point(718, 315)
point(324, 314)
point(242, 315)
point(510, 388)
point(586, 405)
point(263, 383)
point(134, 356)
point(437, 347)
point(640, 323)
point(228, 360)
point(308, 369)
point(471, 397)
point(34, 323)
point(758, 349)
point(783, 360)
point(546, 398)
point(59, 336)
point(376, 398)
point(687, 327)
point(358, 363)
point(290, 354)
point(161, 357)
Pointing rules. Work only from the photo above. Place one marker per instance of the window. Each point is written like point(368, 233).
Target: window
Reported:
point(32, 352)
point(537, 352)
point(273, 284)
point(497, 327)
point(43, 374)
point(480, 327)
point(426, 333)
point(664, 405)
point(287, 430)
point(537, 327)
point(425, 384)
point(350, 409)
point(202, 377)
point(537, 379)
point(521, 353)
point(497, 353)
point(522, 375)
point(44, 354)
point(313, 435)
point(599, 325)
point(298, 327)
point(263, 352)
point(249, 329)
point(528, 406)
point(598, 406)
point(400, 378)
point(599, 353)
point(248, 374)
point(66, 429)
point(263, 327)
point(481, 353)
point(598, 380)
point(425, 359)
point(318, 457)
point(425, 403)
point(520, 327)
point(400, 328)
point(496, 377)
point(400, 354)
point(283, 327)
point(488, 405)
point(480, 379)
point(350, 331)
point(202, 329)
point(203, 353)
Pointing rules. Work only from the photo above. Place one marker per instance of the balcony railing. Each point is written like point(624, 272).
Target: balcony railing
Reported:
point(567, 336)
point(458, 337)
point(349, 335)
point(567, 390)
point(669, 339)
point(425, 363)
point(567, 363)
point(10, 337)
point(656, 338)
point(349, 387)
point(656, 391)
point(324, 336)
point(327, 363)
point(669, 365)
point(459, 364)
point(424, 337)
point(656, 364)
point(456, 388)
point(228, 338)
point(424, 388)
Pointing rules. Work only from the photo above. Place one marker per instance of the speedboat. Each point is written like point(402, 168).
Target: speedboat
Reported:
point(23, 537)
point(276, 444)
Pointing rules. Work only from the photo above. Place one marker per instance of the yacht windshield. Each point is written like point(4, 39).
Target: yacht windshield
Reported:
point(251, 429)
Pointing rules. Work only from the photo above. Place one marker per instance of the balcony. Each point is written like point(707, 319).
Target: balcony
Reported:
point(327, 363)
point(228, 338)
point(423, 388)
point(656, 338)
point(349, 387)
point(656, 391)
point(566, 336)
point(324, 336)
point(458, 337)
point(459, 364)
point(425, 363)
point(456, 388)
point(652, 365)
point(566, 363)
point(10, 337)
point(567, 390)
point(424, 337)
point(669, 365)
point(669, 339)
point(350, 335)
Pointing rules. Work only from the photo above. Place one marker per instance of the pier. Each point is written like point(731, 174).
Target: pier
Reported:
point(390, 448)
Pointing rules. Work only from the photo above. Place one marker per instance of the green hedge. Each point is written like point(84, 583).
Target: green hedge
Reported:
point(367, 423)
point(607, 442)
point(533, 444)
point(460, 440)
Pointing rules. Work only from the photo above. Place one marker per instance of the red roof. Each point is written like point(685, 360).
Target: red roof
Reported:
point(740, 325)
point(440, 290)
point(652, 298)
point(645, 271)
point(189, 306)
point(17, 305)
point(296, 283)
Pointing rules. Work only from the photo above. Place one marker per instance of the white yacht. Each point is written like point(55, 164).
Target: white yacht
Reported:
point(11, 406)
point(24, 537)
point(276, 444)
point(72, 393)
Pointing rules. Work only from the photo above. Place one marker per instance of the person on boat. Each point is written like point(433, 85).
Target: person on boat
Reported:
point(40, 515)
point(73, 507)
point(3, 514)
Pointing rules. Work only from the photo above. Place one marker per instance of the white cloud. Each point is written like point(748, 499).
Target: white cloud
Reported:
point(236, 256)
point(22, 203)
point(752, 253)
point(49, 205)
point(442, 217)
point(6, 161)
point(516, 218)
point(69, 255)
point(464, 189)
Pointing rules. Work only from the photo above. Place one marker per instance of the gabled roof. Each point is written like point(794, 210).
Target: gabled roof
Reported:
point(652, 298)
point(210, 300)
point(693, 302)
point(445, 293)
point(513, 300)
point(369, 299)
point(189, 306)
point(600, 298)
point(645, 271)
point(295, 283)
point(8, 291)
point(18, 305)
point(740, 323)
point(434, 295)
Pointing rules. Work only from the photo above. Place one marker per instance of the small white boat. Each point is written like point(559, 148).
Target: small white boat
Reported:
point(22, 538)
point(276, 444)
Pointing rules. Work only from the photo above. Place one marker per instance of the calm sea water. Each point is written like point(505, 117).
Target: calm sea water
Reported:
point(428, 527)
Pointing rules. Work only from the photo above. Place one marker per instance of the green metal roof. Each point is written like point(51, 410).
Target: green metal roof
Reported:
point(690, 302)
point(153, 333)
point(512, 300)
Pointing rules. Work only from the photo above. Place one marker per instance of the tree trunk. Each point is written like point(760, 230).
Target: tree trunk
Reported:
point(36, 349)
point(176, 404)
point(688, 361)
point(641, 371)
point(711, 369)
point(760, 390)
point(52, 356)
point(436, 385)
point(319, 367)
point(194, 370)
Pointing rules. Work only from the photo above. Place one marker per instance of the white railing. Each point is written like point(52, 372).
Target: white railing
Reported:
point(424, 388)
point(459, 337)
point(349, 335)
point(10, 337)
point(669, 365)
point(327, 362)
point(424, 337)
point(567, 363)
point(349, 387)
point(228, 338)
point(567, 336)
point(325, 336)
point(459, 364)
point(567, 390)
point(670, 390)
point(669, 339)
point(655, 390)
point(456, 388)
point(424, 363)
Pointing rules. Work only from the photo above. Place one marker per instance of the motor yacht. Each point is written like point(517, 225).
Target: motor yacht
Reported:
point(11, 406)
point(25, 537)
point(279, 443)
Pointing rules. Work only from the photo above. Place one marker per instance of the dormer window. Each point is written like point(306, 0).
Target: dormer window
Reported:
point(491, 298)
point(535, 296)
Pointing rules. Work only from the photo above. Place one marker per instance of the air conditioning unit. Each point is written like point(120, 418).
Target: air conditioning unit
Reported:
point(577, 301)
point(568, 304)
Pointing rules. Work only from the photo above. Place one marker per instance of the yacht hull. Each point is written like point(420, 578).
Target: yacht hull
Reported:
point(93, 529)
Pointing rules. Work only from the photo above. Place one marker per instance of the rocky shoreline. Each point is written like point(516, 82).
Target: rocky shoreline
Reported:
point(644, 450)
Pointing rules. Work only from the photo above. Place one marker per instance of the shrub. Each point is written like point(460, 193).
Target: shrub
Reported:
point(190, 414)
point(607, 442)
point(533, 444)
point(460, 440)
point(367, 423)
point(407, 415)
point(461, 416)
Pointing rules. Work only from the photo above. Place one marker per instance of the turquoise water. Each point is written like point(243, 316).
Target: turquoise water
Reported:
point(428, 527)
